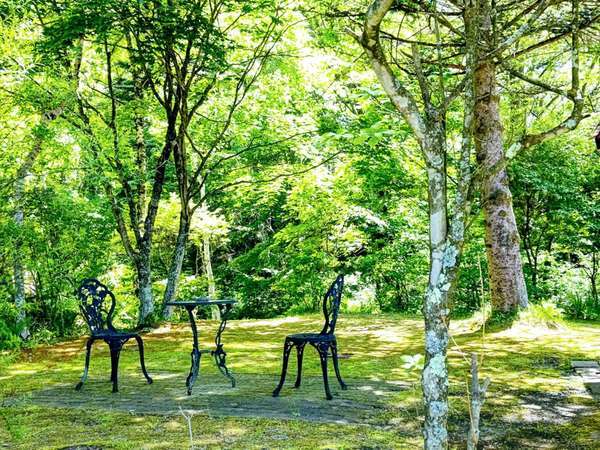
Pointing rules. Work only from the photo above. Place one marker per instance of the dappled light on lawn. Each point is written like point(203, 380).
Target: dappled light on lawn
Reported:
point(530, 386)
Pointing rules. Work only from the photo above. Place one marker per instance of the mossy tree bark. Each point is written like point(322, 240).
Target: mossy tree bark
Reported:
point(507, 282)
point(489, 46)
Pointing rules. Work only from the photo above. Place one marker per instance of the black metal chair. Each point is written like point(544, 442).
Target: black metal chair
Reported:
point(323, 342)
point(93, 297)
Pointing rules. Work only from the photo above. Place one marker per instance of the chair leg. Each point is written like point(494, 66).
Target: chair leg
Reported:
point(300, 353)
point(287, 347)
point(115, 352)
point(141, 351)
point(336, 366)
point(323, 350)
point(88, 352)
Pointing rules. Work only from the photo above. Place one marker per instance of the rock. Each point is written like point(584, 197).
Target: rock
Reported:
point(585, 364)
point(593, 387)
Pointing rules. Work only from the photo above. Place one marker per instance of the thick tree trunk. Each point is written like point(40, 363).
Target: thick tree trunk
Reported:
point(507, 282)
point(144, 285)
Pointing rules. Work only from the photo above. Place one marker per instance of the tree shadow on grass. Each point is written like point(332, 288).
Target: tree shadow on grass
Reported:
point(366, 402)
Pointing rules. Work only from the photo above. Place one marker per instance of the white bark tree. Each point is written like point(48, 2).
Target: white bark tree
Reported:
point(458, 49)
point(19, 217)
point(446, 227)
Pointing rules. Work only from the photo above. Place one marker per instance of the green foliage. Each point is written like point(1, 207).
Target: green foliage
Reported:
point(578, 306)
point(501, 320)
point(412, 362)
point(315, 176)
point(545, 313)
point(9, 334)
point(555, 188)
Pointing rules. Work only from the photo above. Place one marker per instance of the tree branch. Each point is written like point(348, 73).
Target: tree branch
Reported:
point(399, 95)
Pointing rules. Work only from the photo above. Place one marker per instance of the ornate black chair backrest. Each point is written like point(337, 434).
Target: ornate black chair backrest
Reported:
point(97, 304)
point(331, 305)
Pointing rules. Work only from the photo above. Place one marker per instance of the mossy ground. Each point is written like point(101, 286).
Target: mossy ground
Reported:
point(533, 402)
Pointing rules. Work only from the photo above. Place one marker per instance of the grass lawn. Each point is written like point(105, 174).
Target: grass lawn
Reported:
point(534, 400)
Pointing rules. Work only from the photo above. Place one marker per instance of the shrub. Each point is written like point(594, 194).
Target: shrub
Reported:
point(547, 314)
point(9, 338)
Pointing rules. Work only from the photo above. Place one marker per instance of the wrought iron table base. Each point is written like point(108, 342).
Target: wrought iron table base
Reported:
point(218, 353)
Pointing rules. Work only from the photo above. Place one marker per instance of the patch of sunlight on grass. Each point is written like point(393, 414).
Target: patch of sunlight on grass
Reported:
point(23, 371)
point(524, 362)
point(269, 323)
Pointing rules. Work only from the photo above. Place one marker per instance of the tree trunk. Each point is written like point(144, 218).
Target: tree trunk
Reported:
point(477, 400)
point(207, 264)
point(593, 278)
point(177, 262)
point(19, 218)
point(435, 310)
point(144, 285)
point(19, 278)
point(445, 242)
point(507, 282)
point(210, 278)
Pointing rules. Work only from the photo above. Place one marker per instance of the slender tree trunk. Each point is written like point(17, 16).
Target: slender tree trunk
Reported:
point(19, 218)
point(207, 264)
point(478, 393)
point(210, 278)
point(144, 241)
point(507, 282)
point(430, 133)
point(139, 120)
point(19, 278)
point(593, 278)
point(185, 218)
point(444, 259)
point(534, 276)
point(445, 240)
point(177, 261)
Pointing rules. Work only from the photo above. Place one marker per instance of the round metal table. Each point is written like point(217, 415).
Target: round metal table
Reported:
point(219, 355)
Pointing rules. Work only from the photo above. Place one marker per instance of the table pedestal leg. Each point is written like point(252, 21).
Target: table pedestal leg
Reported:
point(194, 370)
point(219, 354)
point(195, 367)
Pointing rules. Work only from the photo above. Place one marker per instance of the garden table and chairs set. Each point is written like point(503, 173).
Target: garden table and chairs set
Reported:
point(97, 305)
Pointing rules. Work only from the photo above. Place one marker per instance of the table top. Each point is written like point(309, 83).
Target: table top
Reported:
point(202, 301)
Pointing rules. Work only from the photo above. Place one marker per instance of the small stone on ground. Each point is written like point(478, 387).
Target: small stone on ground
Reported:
point(590, 372)
point(585, 364)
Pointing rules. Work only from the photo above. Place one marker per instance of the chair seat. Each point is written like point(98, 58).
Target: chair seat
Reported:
point(107, 334)
point(311, 337)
